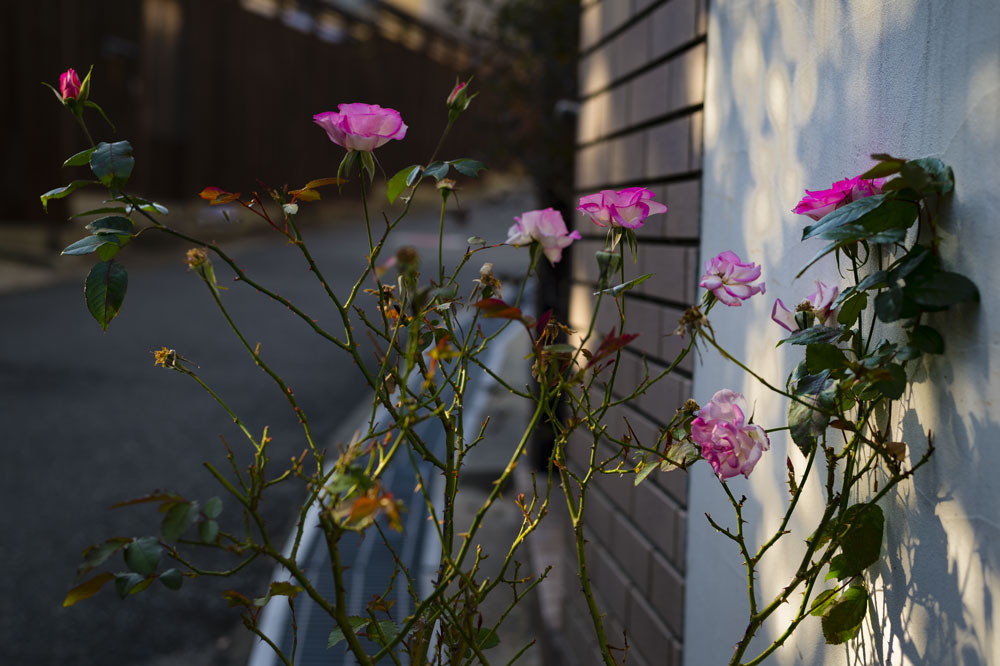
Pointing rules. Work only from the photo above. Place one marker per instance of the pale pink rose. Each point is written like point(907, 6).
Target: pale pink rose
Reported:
point(545, 227)
point(361, 126)
point(729, 279)
point(69, 84)
point(819, 304)
point(730, 444)
point(627, 208)
point(819, 203)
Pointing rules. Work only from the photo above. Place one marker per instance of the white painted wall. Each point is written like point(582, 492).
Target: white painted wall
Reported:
point(798, 94)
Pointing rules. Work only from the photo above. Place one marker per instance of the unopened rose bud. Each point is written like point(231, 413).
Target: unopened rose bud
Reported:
point(459, 99)
point(69, 84)
point(455, 92)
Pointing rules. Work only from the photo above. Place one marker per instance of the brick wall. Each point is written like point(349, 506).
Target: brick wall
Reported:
point(642, 72)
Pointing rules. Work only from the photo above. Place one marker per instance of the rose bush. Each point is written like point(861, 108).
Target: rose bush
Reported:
point(547, 228)
point(362, 127)
point(627, 208)
point(729, 279)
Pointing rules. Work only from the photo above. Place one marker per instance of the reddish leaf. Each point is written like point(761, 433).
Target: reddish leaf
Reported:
point(87, 589)
point(495, 308)
point(610, 345)
point(320, 182)
point(154, 496)
point(216, 195)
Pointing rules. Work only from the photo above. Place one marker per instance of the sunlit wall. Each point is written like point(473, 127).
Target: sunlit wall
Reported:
point(798, 95)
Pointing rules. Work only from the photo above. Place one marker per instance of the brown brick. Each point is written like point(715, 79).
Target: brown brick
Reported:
point(692, 274)
point(675, 483)
point(672, 25)
point(697, 141)
point(592, 166)
point(593, 120)
point(643, 318)
point(607, 577)
point(650, 634)
point(590, 25)
point(657, 515)
point(614, 13)
point(600, 515)
point(595, 71)
point(617, 106)
point(684, 215)
point(649, 93)
point(669, 148)
point(666, 591)
point(668, 264)
point(687, 78)
point(628, 157)
point(631, 50)
point(632, 550)
point(701, 17)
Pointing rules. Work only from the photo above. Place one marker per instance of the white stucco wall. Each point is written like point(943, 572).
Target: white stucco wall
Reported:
point(798, 94)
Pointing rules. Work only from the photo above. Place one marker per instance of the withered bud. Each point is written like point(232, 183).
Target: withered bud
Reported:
point(690, 406)
point(447, 184)
point(196, 257)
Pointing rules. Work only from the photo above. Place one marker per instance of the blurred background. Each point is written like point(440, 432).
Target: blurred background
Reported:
point(219, 92)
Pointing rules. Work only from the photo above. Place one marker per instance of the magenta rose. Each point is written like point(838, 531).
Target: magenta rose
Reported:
point(69, 84)
point(819, 203)
point(545, 227)
point(361, 126)
point(729, 278)
point(730, 444)
point(627, 208)
point(818, 305)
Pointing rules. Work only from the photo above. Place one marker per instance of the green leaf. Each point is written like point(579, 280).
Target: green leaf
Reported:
point(852, 212)
point(805, 424)
point(823, 356)
point(93, 105)
point(893, 386)
point(172, 578)
point(927, 340)
point(82, 158)
point(101, 211)
point(625, 286)
point(889, 304)
point(468, 167)
point(112, 163)
point(337, 634)
point(437, 170)
point(111, 224)
point(943, 289)
point(821, 602)
point(838, 568)
point(852, 309)
point(94, 556)
point(143, 204)
point(87, 589)
point(388, 631)
point(814, 334)
point(399, 182)
point(64, 191)
point(208, 530)
point(843, 619)
point(861, 544)
point(105, 291)
point(414, 175)
point(90, 244)
point(213, 507)
point(179, 518)
point(131, 583)
point(487, 638)
point(928, 174)
point(143, 554)
point(643, 470)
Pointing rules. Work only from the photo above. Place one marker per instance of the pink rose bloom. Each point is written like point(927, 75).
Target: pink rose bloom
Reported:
point(361, 126)
point(69, 84)
point(728, 443)
point(547, 228)
point(819, 203)
point(729, 279)
point(625, 208)
point(819, 303)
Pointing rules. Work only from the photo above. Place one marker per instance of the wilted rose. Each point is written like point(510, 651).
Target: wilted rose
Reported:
point(361, 126)
point(547, 228)
point(625, 208)
point(730, 444)
point(819, 305)
point(819, 203)
point(729, 278)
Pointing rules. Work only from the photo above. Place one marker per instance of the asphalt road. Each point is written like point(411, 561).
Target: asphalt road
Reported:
point(89, 421)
